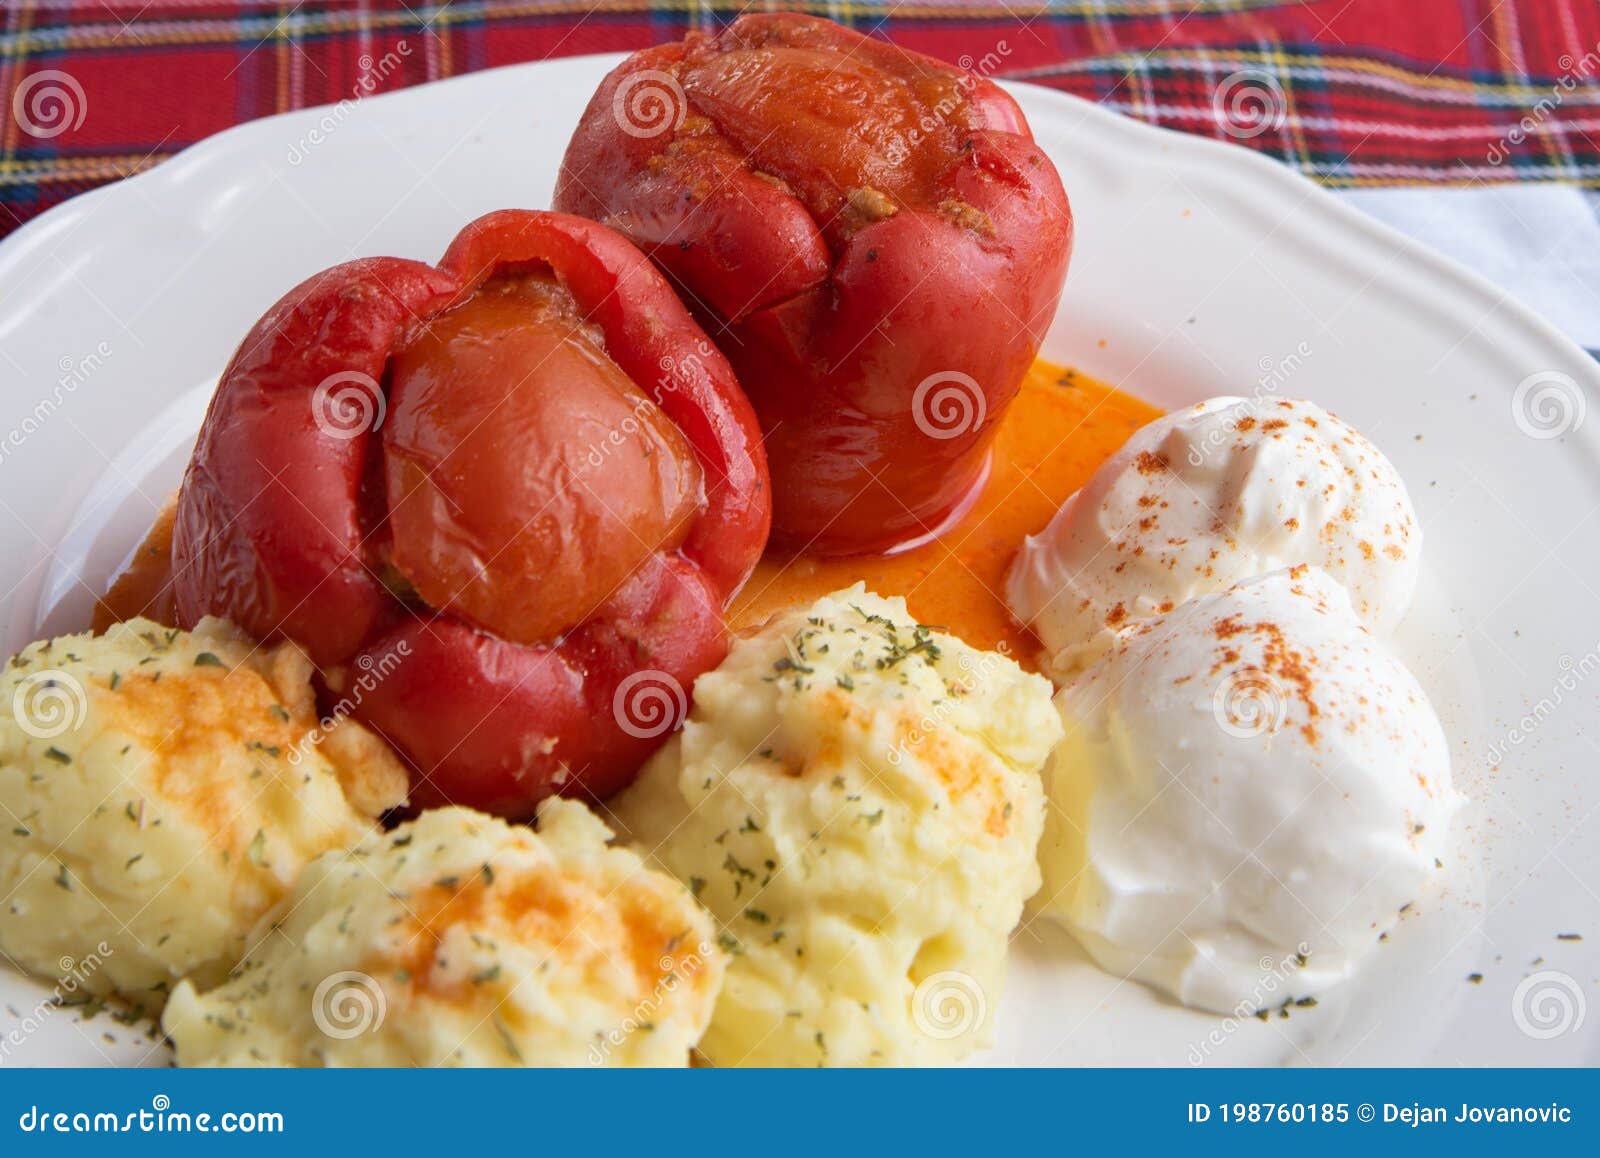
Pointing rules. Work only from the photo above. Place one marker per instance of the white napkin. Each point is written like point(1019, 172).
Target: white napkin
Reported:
point(1539, 242)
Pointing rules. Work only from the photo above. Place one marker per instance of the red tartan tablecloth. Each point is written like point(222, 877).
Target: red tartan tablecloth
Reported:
point(1355, 92)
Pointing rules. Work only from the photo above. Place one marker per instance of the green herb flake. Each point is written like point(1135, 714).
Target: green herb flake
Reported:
point(506, 1039)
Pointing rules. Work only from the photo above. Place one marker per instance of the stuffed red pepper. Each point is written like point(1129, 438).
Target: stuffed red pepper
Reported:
point(871, 236)
point(501, 502)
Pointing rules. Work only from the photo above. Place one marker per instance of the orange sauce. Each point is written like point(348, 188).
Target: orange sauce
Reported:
point(144, 586)
point(1060, 428)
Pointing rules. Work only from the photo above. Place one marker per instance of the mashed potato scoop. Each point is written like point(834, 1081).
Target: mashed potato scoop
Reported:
point(856, 798)
point(159, 791)
point(460, 940)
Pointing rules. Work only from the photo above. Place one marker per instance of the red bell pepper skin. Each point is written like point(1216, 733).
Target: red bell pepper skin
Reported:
point(500, 723)
point(269, 531)
point(872, 237)
point(653, 339)
point(281, 523)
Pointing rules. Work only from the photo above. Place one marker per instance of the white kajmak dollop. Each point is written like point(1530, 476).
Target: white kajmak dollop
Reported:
point(1209, 496)
point(1250, 789)
point(856, 798)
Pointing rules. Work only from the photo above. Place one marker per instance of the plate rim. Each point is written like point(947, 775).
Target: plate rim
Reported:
point(1254, 168)
point(1461, 292)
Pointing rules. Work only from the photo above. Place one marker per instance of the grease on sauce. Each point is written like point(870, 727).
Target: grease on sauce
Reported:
point(1061, 427)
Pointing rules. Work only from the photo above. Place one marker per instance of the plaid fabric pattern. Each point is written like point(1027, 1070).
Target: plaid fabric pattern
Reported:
point(1354, 92)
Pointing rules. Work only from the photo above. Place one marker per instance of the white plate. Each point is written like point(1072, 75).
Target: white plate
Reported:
point(1201, 269)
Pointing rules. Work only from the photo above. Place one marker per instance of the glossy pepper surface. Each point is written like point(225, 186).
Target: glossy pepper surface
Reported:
point(501, 502)
point(871, 236)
